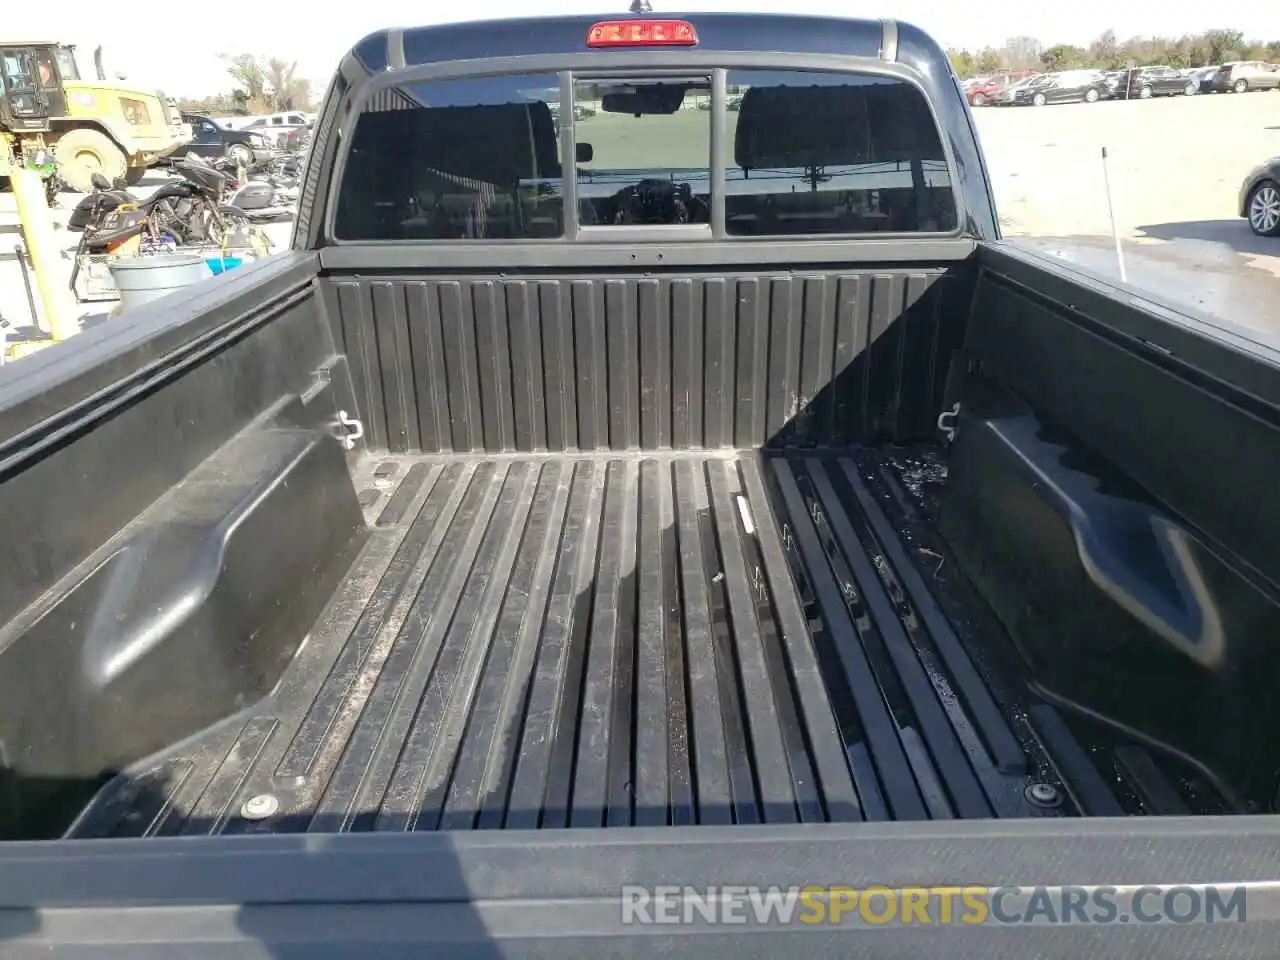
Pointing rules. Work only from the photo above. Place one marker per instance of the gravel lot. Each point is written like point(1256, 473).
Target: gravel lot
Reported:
point(1175, 167)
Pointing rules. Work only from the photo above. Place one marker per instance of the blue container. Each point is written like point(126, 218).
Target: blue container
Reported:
point(223, 264)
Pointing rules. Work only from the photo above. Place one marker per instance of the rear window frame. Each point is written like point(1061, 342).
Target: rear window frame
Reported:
point(650, 64)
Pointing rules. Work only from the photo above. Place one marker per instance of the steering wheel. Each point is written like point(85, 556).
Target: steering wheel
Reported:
point(653, 200)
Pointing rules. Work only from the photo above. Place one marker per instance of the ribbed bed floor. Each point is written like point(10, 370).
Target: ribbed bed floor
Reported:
point(541, 642)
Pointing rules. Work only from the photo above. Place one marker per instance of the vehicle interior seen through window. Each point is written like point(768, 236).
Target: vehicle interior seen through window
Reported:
point(804, 153)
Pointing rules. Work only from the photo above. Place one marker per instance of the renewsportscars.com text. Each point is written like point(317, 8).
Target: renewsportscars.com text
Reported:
point(906, 906)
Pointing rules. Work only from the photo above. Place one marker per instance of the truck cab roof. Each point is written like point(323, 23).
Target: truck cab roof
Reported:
point(889, 40)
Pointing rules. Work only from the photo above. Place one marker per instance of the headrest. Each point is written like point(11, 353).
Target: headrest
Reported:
point(495, 143)
point(833, 125)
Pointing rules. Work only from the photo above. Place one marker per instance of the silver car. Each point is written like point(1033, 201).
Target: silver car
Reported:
point(1260, 199)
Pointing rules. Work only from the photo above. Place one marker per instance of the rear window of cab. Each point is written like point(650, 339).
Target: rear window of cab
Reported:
point(803, 153)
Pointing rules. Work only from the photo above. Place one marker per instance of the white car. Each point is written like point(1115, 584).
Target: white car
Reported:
point(281, 121)
point(277, 126)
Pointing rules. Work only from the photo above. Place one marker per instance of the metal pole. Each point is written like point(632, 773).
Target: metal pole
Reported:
point(1111, 210)
point(21, 254)
point(42, 247)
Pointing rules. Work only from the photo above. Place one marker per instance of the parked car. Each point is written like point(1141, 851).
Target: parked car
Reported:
point(1115, 86)
point(1200, 80)
point(1144, 83)
point(278, 121)
point(297, 139)
point(277, 126)
point(1260, 199)
point(981, 94)
point(1070, 86)
point(212, 139)
point(583, 112)
point(1241, 76)
point(1009, 95)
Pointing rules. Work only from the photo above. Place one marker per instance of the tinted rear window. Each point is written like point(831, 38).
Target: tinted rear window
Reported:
point(474, 159)
point(803, 153)
point(833, 153)
point(654, 168)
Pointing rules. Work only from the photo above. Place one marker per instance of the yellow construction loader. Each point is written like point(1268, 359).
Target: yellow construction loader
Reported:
point(51, 117)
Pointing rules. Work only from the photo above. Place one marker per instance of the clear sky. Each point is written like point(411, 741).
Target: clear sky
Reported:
point(316, 34)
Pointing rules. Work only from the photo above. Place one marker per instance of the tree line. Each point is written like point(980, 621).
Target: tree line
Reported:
point(1109, 53)
point(260, 85)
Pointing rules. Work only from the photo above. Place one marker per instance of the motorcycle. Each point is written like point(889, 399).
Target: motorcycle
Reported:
point(193, 207)
point(264, 195)
point(106, 196)
point(113, 222)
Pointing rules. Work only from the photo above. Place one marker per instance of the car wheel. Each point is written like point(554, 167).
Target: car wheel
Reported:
point(979, 100)
point(1091, 96)
point(1039, 100)
point(1191, 89)
point(1145, 93)
point(1240, 86)
point(239, 154)
point(1263, 209)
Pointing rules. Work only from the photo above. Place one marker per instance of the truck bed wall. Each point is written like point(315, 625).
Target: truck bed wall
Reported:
point(175, 513)
point(682, 360)
point(1110, 494)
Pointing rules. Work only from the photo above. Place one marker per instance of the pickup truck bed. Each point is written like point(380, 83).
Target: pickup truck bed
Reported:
point(693, 549)
point(635, 640)
point(683, 506)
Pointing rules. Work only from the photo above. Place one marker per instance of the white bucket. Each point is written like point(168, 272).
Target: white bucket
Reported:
point(145, 279)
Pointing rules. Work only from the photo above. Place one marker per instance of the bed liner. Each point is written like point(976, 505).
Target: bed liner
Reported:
point(616, 640)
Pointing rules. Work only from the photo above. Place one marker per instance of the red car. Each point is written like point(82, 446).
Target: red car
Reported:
point(296, 140)
point(980, 94)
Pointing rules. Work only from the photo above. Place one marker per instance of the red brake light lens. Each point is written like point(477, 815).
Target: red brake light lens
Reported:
point(642, 33)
